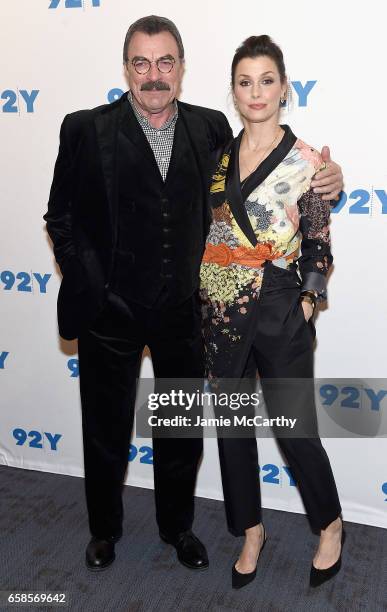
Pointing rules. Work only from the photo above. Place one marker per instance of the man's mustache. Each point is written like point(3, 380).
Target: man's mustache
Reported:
point(155, 85)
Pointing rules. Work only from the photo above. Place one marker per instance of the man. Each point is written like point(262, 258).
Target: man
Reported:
point(128, 217)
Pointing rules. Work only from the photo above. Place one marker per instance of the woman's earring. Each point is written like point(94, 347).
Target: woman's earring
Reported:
point(283, 100)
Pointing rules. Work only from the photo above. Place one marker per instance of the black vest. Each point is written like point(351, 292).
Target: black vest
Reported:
point(160, 238)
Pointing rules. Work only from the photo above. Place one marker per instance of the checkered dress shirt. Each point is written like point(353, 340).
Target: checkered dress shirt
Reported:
point(160, 139)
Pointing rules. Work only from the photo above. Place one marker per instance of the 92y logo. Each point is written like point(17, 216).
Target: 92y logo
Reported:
point(73, 3)
point(19, 100)
point(3, 357)
point(22, 281)
point(353, 397)
point(146, 454)
point(273, 474)
point(73, 366)
point(363, 202)
point(302, 91)
point(37, 439)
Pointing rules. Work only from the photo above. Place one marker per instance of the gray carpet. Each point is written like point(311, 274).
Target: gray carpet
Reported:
point(44, 532)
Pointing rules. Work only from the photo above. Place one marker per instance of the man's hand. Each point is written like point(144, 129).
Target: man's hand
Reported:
point(328, 181)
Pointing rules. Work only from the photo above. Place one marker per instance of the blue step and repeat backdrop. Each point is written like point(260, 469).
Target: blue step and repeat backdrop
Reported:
point(64, 55)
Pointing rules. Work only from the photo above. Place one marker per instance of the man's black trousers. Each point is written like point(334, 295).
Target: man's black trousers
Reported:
point(109, 361)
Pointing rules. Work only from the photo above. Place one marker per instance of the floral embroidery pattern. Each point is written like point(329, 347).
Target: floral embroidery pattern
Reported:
point(218, 179)
point(262, 216)
point(224, 284)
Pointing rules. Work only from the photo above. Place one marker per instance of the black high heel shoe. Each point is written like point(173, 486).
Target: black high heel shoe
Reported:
point(240, 580)
point(319, 576)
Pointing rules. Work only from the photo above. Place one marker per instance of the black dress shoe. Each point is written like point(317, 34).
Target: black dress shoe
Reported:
point(319, 576)
point(190, 551)
point(240, 580)
point(100, 553)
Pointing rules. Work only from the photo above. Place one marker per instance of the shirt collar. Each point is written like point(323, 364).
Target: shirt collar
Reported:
point(144, 120)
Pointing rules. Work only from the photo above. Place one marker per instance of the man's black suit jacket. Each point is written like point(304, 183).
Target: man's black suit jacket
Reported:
point(82, 208)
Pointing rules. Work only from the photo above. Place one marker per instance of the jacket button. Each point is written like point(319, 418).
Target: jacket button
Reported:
point(166, 246)
point(166, 261)
point(164, 200)
point(166, 230)
point(165, 215)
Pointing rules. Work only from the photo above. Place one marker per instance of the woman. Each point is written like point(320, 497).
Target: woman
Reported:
point(259, 295)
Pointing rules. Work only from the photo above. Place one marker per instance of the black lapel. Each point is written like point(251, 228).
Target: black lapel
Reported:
point(198, 138)
point(234, 193)
point(106, 123)
point(197, 135)
point(130, 126)
point(236, 196)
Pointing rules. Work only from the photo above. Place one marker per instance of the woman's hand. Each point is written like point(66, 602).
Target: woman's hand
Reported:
point(308, 309)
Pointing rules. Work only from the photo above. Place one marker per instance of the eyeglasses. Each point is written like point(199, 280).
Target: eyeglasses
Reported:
point(164, 65)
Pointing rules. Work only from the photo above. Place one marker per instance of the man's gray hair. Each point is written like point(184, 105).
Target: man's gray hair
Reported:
point(153, 25)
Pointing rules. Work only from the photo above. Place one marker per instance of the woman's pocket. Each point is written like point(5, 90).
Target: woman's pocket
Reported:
point(309, 323)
